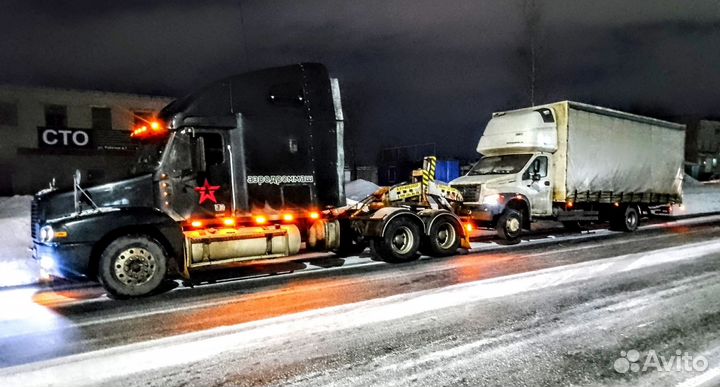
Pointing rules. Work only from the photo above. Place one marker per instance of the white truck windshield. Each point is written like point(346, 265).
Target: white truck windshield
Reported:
point(499, 165)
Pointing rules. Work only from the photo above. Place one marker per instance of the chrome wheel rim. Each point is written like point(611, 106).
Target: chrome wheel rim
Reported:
point(134, 266)
point(632, 219)
point(403, 240)
point(513, 225)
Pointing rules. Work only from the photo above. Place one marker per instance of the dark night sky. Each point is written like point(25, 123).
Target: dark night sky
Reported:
point(412, 71)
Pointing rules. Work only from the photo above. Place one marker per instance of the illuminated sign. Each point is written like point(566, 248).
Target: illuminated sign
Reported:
point(64, 138)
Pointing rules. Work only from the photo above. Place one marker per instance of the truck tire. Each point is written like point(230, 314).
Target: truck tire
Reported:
point(625, 219)
point(443, 238)
point(509, 226)
point(132, 266)
point(399, 243)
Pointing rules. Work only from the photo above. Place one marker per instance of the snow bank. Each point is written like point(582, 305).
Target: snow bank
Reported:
point(359, 189)
point(698, 198)
point(16, 265)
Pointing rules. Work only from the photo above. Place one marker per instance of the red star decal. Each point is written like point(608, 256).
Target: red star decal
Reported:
point(207, 192)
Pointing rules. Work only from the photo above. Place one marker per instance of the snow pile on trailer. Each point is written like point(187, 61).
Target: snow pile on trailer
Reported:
point(16, 265)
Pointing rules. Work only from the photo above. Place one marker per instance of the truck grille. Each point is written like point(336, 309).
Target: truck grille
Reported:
point(470, 193)
point(34, 219)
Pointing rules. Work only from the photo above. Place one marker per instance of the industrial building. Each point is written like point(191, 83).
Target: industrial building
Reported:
point(48, 133)
point(702, 149)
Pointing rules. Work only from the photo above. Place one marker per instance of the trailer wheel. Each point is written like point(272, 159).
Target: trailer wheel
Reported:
point(399, 243)
point(626, 219)
point(509, 226)
point(132, 266)
point(443, 238)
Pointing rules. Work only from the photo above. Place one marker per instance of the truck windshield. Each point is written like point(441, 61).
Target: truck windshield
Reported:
point(148, 156)
point(499, 165)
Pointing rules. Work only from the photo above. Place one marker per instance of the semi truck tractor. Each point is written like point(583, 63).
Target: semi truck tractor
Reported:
point(574, 163)
point(247, 169)
point(235, 172)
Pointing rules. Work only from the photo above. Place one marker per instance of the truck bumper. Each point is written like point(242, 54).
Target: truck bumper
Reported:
point(64, 260)
point(480, 214)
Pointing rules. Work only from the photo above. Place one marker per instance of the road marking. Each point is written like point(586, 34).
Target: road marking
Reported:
point(121, 361)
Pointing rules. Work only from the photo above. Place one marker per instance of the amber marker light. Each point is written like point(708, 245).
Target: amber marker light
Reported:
point(314, 215)
point(288, 217)
point(196, 223)
point(469, 227)
point(229, 221)
point(260, 219)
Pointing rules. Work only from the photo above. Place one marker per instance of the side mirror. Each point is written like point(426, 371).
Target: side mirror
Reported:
point(536, 177)
point(200, 163)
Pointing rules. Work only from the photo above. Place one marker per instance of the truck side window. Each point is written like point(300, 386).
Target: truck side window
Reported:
point(540, 164)
point(214, 152)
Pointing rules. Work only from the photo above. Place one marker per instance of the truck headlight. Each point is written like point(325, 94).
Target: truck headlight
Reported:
point(491, 200)
point(47, 234)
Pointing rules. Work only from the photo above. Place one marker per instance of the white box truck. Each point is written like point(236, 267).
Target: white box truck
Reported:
point(574, 163)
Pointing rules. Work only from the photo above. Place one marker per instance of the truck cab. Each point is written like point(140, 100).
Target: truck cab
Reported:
point(512, 182)
point(233, 173)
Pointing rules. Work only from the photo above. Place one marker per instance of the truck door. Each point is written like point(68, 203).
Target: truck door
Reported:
point(200, 174)
point(539, 190)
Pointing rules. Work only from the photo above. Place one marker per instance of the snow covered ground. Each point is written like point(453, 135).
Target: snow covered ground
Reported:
point(18, 268)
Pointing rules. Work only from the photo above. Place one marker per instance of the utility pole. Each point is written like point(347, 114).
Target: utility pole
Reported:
point(532, 19)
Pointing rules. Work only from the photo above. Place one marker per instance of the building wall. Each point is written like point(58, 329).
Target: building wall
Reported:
point(702, 149)
point(25, 166)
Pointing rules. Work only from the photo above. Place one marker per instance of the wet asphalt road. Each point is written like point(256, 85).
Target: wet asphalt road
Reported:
point(559, 309)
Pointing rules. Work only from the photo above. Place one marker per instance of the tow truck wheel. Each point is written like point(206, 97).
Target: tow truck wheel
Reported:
point(443, 238)
point(399, 243)
point(132, 266)
point(509, 226)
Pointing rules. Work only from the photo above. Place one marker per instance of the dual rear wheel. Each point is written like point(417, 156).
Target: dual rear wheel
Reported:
point(403, 239)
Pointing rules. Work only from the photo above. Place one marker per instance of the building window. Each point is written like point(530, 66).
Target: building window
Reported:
point(56, 116)
point(8, 114)
point(101, 118)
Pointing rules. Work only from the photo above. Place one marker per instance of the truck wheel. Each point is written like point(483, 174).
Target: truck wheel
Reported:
point(509, 226)
point(443, 238)
point(399, 243)
point(132, 266)
point(626, 220)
